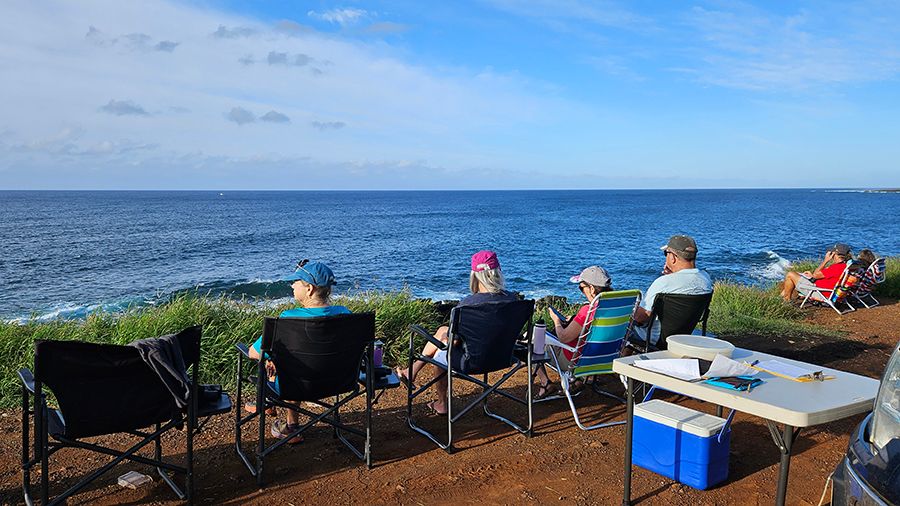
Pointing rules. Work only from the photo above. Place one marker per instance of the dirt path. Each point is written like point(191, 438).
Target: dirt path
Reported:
point(493, 464)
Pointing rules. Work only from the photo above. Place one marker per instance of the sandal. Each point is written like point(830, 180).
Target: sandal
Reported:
point(434, 410)
point(281, 430)
point(576, 387)
point(548, 390)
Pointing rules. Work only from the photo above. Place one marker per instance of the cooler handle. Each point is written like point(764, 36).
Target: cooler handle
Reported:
point(725, 427)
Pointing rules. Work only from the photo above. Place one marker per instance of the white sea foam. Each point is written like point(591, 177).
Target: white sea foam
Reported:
point(775, 269)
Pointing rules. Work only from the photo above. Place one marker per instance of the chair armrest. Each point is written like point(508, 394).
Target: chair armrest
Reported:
point(243, 349)
point(27, 379)
point(418, 329)
point(551, 340)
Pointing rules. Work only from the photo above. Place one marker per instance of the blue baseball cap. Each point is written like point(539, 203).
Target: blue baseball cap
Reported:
point(314, 273)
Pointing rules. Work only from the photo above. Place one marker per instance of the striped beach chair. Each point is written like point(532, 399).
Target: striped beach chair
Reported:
point(599, 344)
point(834, 297)
point(874, 274)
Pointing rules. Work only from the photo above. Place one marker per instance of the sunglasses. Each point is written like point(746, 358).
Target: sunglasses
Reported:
point(300, 267)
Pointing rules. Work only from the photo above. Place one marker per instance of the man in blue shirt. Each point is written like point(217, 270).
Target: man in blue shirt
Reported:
point(680, 276)
point(312, 284)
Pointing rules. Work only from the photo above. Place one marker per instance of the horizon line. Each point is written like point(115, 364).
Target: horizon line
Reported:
point(336, 190)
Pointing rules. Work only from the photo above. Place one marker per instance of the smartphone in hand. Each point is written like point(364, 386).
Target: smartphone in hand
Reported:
point(562, 318)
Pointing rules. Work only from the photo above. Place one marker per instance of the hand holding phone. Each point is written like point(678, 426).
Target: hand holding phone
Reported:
point(562, 319)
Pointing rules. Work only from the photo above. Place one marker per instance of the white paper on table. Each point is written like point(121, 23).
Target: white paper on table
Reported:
point(791, 371)
point(682, 368)
point(723, 366)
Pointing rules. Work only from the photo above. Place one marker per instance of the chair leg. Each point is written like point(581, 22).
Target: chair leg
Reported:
point(26, 444)
point(45, 449)
point(449, 447)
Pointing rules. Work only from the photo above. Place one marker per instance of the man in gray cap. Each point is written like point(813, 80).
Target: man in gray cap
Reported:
point(826, 275)
point(680, 276)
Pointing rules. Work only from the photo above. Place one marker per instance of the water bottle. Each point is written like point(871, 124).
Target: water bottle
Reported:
point(539, 337)
point(378, 354)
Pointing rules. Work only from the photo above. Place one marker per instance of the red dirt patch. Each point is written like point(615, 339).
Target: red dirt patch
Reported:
point(492, 463)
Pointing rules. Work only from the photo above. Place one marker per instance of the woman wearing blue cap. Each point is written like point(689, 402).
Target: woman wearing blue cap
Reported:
point(311, 282)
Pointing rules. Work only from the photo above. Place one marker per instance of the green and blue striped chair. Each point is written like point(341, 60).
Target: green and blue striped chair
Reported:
point(598, 345)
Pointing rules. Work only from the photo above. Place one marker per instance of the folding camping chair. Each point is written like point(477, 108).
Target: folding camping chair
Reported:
point(833, 297)
point(599, 343)
point(316, 359)
point(676, 314)
point(486, 335)
point(874, 275)
point(107, 389)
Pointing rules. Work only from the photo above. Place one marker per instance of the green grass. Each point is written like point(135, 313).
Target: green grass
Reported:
point(740, 310)
point(736, 309)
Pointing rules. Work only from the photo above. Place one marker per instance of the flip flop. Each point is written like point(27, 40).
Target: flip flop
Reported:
point(548, 390)
point(576, 387)
point(435, 411)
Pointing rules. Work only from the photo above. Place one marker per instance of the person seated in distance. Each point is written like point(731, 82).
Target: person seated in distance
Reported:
point(311, 283)
point(680, 275)
point(865, 258)
point(825, 276)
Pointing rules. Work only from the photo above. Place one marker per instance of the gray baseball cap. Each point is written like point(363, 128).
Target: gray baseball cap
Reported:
point(683, 245)
point(840, 248)
point(593, 275)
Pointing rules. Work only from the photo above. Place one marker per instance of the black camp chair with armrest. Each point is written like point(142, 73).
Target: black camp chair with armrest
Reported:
point(107, 389)
point(316, 359)
point(677, 314)
point(486, 335)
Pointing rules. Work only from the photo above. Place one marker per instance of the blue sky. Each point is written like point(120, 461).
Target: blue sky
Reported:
point(466, 94)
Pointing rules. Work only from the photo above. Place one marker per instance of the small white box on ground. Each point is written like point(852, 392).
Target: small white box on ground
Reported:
point(133, 479)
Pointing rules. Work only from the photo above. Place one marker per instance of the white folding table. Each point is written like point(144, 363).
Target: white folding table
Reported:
point(779, 400)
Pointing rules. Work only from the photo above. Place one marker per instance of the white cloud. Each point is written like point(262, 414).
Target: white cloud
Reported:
point(123, 108)
point(343, 17)
point(275, 117)
point(328, 125)
point(739, 45)
point(236, 32)
point(240, 116)
point(87, 54)
point(563, 15)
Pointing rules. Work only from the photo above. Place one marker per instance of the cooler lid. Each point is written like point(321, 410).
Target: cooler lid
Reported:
point(682, 418)
point(703, 347)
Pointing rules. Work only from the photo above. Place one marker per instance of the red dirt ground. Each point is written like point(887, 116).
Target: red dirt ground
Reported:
point(493, 464)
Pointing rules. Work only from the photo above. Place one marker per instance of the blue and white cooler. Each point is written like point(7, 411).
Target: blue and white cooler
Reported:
point(681, 443)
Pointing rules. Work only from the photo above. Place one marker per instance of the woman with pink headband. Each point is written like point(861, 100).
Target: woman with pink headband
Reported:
point(487, 285)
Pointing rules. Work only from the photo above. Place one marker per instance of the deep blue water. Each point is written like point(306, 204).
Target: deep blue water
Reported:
point(64, 253)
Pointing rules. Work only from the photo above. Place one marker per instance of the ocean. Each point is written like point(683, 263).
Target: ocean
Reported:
point(64, 254)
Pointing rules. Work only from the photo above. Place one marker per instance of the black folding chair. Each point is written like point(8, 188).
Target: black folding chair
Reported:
point(107, 389)
point(316, 358)
point(485, 337)
point(677, 314)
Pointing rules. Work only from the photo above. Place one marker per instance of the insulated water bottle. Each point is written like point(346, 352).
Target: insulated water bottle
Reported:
point(539, 337)
point(378, 354)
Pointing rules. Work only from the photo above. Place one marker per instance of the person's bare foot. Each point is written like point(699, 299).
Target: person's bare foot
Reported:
point(401, 374)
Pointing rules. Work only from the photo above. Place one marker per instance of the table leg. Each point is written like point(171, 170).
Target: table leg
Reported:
point(784, 441)
point(629, 428)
